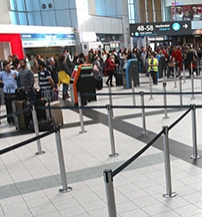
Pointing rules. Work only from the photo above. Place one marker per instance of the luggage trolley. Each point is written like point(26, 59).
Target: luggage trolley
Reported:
point(82, 80)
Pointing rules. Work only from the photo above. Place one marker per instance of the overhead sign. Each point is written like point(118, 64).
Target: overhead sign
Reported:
point(161, 29)
point(47, 40)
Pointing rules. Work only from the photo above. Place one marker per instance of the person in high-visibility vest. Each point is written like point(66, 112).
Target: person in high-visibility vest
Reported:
point(153, 67)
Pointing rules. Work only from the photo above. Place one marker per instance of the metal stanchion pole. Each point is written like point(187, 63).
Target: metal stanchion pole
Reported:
point(198, 68)
point(150, 86)
point(175, 79)
point(164, 75)
point(65, 188)
point(143, 113)
point(133, 92)
point(165, 101)
point(80, 114)
point(184, 73)
point(36, 130)
point(108, 178)
point(192, 84)
point(110, 99)
point(111, 132)
point(180, 85)
point(194, 135)
point(169, 192)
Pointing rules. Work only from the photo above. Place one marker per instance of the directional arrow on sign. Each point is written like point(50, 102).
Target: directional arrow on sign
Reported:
point(185, 26)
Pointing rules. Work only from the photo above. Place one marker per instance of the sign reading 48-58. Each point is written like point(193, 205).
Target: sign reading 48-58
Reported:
point(161, 28)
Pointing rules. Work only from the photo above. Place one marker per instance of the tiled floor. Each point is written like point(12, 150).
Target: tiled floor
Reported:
point(29, 183)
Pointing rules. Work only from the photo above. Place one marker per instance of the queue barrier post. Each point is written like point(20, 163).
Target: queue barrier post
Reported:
point(165, 101)
point(110, 99)
point(180, 85)
point(111, 132)
point(184, 73)
point(150, 87)
point(143, 113)
point(108, 178)
point(36, 130)
point(65, 187)
point(80, 114)
point(133, 91)
point(169, 193)
point(194, 134)
point(175, 78)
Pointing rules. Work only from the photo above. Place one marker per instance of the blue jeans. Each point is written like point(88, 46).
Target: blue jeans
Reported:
point(65, 88)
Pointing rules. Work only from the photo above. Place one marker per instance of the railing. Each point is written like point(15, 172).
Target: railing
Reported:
point(109, 174)
point(37, 138)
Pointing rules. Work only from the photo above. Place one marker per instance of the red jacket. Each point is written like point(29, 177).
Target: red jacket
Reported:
point(110, 65)
point(177, 55)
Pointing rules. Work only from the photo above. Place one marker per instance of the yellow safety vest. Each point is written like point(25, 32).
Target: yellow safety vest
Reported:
point(155, 68)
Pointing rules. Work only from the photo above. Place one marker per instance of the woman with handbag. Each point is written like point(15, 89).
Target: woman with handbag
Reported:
point(97, 69)
point(64, 76)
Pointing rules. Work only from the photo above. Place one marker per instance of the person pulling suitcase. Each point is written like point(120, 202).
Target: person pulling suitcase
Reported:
point(8, 77)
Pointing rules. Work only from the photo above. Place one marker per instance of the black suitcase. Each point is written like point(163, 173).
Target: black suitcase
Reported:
point(40, 112)
point(119, 79)
point(44, 125)
point(99, 83)
point(19, 119)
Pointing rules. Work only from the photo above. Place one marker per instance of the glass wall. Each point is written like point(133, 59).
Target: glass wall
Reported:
point(131, 11)
point(43, 12)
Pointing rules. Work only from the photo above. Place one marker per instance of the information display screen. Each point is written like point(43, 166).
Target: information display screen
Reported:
point(161, 29)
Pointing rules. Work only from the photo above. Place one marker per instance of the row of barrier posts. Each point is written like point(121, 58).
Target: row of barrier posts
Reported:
point(37, 138)
point(109, 174)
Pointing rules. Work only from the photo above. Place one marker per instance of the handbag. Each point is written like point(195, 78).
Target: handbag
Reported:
point(95, 68)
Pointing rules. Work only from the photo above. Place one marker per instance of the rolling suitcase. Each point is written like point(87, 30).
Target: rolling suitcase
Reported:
point(99, 83)
point(19, 119)
point(55, 114)
point(119, 79)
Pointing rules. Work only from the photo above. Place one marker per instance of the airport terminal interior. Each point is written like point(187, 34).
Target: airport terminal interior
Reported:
point(128, 149)
point(30, 183)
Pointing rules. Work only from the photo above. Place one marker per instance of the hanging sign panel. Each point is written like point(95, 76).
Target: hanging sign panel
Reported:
point(161, 29)
point(47, 40)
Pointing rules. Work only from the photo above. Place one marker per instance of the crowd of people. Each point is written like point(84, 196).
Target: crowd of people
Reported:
point(57, 70)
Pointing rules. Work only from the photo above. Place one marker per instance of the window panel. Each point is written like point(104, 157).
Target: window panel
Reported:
point(22, 18)
point(63, 18)
point(34, 18)
point(60, 4)
point(13, 5)
point(20, 5)
point(33, 5)
point(48, 18)
point(14, 18)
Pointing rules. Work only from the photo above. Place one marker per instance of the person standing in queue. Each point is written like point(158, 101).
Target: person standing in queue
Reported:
point(153, 67)
point(26, 80)
point(110, 67)
point(8, 78)
point(46, 82)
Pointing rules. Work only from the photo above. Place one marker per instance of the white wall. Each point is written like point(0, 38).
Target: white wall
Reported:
point(4, 13)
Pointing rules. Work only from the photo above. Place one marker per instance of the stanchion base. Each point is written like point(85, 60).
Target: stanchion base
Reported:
point(193, 98)
point(83, 131)
point(143, 132)
point(38, 153)
point(151, 98)
point(114, 155)
point(65, 190)
point(194, 158)
point(165, 117)
point(170, 196)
